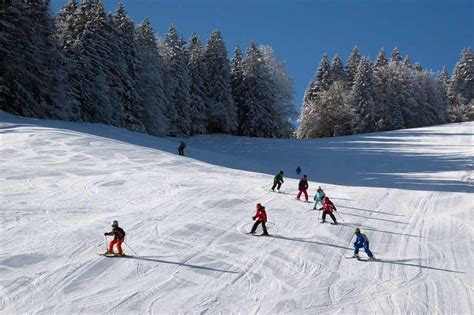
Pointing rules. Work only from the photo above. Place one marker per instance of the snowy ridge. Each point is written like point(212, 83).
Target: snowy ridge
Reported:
point(61, 185)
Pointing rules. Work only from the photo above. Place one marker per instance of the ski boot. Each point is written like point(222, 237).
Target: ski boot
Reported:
point(108, 252)
point(371, 258)
point(355, 256)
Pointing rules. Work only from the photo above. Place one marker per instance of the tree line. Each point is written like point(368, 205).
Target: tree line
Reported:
point(88, 65)
point(364, 96)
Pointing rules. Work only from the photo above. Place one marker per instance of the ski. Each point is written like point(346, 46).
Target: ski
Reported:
point(115, 256)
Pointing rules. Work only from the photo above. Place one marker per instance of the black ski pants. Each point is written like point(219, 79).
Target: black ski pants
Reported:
point(255, 225)
point(330, 214)
point(275, 184)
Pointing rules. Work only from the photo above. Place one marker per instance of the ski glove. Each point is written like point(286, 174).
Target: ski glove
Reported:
point(253, 218)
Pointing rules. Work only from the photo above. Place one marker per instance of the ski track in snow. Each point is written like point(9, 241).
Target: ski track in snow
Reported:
point(62, 183)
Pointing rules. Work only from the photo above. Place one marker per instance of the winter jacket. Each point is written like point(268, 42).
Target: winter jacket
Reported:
point(328, 206)
point(319, 196)
point(278, 178)
point(118, 233)
point(361, 239)
point(182, 146)
point(303, 184)
point(261, 215)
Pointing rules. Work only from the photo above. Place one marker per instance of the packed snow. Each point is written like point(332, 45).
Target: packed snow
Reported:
point(61, 184)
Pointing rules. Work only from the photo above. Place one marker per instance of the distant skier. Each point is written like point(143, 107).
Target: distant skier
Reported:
point(119, 236)
point(298, 170)
point(277, 181)
point(181, 148)
point(328, 207)
point(303, 186)
point(318, 197)
point(261, 217)
point(362, 241)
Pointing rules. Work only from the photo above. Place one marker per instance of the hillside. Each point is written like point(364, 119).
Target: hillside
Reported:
point(62, 184)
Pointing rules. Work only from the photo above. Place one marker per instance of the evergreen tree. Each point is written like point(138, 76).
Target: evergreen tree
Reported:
point(149, 80)
point(461, 88)
point(396, 57)
point(363, 104)
point(337, 70)
point(178, 84)
point(257, 97)
point(29, 56)
point(380, 61)
point(283, 92)
point(352, 65)
point(308, 117)
point(124, 68)
point(222, 115)
point(199, 86)
point(237, 83)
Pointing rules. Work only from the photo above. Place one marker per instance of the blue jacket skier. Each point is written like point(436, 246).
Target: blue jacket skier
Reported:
point(318, 197)
point(362, 241)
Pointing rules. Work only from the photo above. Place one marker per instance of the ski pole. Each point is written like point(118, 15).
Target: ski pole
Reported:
point(105, 237)
point(340, 216)
point(131, 248)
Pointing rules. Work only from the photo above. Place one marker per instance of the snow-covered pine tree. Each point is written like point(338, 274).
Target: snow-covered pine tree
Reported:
point(309, 114)
point(334, 112)
point(178, 84)
point(461, 88)
point(29, 60)
point(199, 85)
point(352, 66)
point(237, 83)
point(124, 72)
point(396, 57)
point(222, 115)
point(380, 61)
point(407, 62)
point(362, 99)
point(149, 80)
point(283, 91)
point(258, 97)
point(337, 70)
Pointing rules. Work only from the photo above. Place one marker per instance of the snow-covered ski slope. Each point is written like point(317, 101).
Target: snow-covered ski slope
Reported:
point(61, 184)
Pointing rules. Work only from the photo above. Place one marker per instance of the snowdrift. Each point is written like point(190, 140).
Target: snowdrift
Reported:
point(61, 185)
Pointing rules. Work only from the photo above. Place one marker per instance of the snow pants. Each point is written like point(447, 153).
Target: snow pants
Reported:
point(119, 246)
point(330, 214)
point(276, 184)
point(255, 225)
point(316, 201)
point(366, 248)
point(181, 152)
point(304, 192)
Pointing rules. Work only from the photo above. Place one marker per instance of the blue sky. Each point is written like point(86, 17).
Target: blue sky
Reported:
point(301, 31)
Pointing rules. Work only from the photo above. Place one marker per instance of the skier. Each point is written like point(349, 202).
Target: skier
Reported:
point(303, 186)
point(328, 208)
point(119, 236)
point(261, 217)
point(319, 197)
point(362, 241)
point(181, 147)
point(298, 170)
point(277, 181)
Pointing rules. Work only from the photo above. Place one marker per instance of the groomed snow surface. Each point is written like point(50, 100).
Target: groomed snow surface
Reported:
point(61, 184)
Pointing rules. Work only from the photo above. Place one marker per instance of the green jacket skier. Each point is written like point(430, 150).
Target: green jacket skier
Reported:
point(277, 181)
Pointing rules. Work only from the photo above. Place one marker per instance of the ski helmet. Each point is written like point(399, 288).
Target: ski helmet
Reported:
point(259, 205)
point(114, 223)
point(356, 230)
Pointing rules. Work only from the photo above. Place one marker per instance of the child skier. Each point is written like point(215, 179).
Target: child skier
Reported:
point(328, 208)
point(277, 181)
point(362, 241)
point(261, 217)
point(298, 170)
point(319, 197)
point(119, 236)
point(302, 187)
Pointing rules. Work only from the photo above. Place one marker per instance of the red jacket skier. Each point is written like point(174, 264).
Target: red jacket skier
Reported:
point(261, 216)
point(119, 237)
point(328, 208)
point(302, 187)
